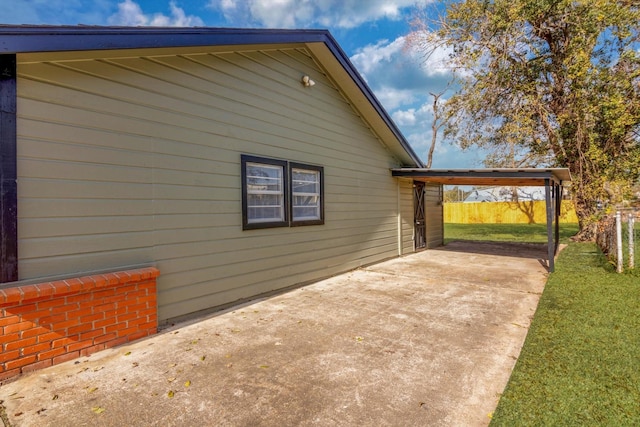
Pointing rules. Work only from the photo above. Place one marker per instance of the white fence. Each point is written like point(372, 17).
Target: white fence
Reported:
point(617, 238)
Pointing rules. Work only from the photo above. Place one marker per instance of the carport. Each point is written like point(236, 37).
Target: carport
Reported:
point(552, 179)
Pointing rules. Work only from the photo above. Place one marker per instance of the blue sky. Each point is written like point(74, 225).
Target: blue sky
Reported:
point(371, 32)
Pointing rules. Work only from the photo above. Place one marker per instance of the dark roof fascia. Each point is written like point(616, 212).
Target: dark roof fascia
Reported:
point(30, 39)
point(557, 175)
point(27, 39)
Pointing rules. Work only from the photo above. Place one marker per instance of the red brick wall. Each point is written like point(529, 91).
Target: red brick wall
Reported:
point(49, 323)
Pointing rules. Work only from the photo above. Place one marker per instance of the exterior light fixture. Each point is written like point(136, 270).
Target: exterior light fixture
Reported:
point(307, 82)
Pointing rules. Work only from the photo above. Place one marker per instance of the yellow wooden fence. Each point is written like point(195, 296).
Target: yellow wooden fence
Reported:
point(529, 212)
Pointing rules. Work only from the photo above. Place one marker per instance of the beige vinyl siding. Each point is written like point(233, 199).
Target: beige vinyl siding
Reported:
point(132, 160)
point(434, 215)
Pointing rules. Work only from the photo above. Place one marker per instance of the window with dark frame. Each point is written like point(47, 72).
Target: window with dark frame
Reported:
point(306, 194)
point(278, 193)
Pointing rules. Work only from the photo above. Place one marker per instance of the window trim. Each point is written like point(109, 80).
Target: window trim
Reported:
point(320, 170)
point(246, 225)
point(287, 177)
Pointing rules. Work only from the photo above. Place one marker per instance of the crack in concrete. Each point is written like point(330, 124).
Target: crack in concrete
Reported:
point(3, 415)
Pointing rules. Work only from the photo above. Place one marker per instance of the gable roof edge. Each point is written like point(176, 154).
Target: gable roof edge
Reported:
point(348, 66)
point(42, 38)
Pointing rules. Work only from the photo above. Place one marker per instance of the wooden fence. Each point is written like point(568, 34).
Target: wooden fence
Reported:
point(529, 212)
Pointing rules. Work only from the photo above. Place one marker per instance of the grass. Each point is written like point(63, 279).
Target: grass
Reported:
point(524, 233)
point(580, 364)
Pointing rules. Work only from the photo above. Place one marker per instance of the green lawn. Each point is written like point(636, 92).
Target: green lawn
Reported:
point(580, 364)
point(529, 233)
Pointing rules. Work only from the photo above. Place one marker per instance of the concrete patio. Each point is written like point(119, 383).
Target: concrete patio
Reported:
point(427, 339)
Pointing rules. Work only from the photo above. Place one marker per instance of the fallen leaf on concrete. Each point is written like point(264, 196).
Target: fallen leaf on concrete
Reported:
point(264, 366)
point(359, 339)
point(127, 353)
point(55, 397)
point(187, 383)
point(170, 394)
point(92, 389)
point(203, 357)
point(98, 409)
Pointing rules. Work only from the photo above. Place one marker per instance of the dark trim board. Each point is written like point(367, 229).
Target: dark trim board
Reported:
point(44, 38)
point(8, 171)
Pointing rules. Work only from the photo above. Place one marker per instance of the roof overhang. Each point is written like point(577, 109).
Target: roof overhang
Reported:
point(27, 39)
point(45, 38)
point(487, 177)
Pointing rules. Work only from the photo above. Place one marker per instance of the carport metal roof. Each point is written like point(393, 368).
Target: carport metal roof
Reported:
point(552, 179)
point(509, 177)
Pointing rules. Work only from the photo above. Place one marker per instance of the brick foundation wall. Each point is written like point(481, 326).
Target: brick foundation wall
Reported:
point(49, 323)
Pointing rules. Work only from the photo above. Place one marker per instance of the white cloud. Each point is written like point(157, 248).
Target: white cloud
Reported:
point(370, 57)
point(130, 14)
point(405, 117)
point(397, 73)
point(307, 13)
point(416, 117)
point(399, 52)
point(392, 97)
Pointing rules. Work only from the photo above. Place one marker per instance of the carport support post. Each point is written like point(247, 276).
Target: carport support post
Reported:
point(550, 243)
point(556, 217)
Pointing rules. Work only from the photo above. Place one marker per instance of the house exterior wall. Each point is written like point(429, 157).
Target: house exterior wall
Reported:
point(132, 160)
point(434, 215)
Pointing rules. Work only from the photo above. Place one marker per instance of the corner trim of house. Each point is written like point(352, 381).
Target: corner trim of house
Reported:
point(8, 170)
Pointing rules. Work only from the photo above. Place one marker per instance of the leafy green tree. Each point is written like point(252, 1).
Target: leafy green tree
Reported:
point(551, 81)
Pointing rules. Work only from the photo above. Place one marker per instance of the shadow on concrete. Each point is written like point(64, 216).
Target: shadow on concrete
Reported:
point(507, 249)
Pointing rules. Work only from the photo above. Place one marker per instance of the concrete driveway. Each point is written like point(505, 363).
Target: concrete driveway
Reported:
point(427, 339)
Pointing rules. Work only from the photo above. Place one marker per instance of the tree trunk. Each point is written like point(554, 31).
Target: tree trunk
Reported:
point(585, 210)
